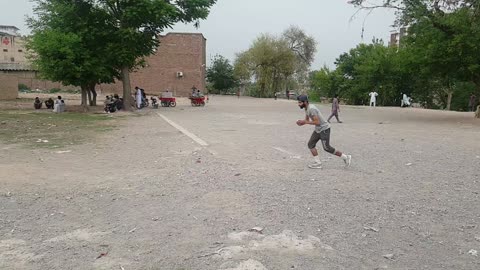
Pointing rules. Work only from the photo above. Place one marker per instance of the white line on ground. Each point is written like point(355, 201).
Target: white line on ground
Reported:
point(187, 133)
point(292, 155)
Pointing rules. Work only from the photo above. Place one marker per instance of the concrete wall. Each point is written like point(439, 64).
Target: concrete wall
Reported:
point(32, 81)
point(8, 87)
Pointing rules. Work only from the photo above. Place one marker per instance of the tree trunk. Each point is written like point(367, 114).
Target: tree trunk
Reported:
point(127, 94)
point(89, 96)
point(84, 98)
point(449, 100)
point(93, 101)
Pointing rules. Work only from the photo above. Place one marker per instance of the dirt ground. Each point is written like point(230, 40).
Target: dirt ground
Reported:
point(147, 196)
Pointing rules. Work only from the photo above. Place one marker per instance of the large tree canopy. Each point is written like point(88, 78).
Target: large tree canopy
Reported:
point(276, 63)
point(138, 24)
point(84, 42)
point(220, 75)
point(66, 49)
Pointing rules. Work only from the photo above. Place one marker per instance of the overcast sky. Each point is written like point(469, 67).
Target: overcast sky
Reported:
point(234, 24)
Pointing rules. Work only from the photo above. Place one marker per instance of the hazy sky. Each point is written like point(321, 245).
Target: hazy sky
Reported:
point(234, 24)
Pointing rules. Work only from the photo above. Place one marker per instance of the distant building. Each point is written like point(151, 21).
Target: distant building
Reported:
point(397, 36)
point(12, 46)
point(177, 66)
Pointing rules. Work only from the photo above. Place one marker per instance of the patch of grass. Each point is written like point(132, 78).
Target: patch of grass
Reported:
point(60, 130)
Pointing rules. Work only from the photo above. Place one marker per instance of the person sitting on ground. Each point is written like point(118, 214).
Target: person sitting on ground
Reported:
point(117, 101)
point(194, 90)
point(108, 104)
point(62, 105)
point(199, 94)
point(59, 105)
point(49, 103)
point(37, 104)
point(107, 101)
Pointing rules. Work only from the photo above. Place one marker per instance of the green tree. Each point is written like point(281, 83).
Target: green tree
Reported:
point(269, 61)
point(304, 47)
point(325, 82)
point(66, 49)
point(443, 35)
point(137, 25)
point(370, 67)
point(221, 75)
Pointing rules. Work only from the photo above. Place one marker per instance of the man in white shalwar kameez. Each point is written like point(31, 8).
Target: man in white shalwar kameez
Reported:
point(138, 97)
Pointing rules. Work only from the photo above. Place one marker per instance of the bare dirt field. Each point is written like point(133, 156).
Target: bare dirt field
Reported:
point(181, 188)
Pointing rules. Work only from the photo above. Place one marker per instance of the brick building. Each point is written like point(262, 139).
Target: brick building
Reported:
point(178, 64)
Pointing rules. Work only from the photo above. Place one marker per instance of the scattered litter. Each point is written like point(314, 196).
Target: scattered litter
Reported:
point(256, 229)
point(42, 141)
point(473, 252)
point(199, 161)
point(63, 152)
point(155, 219)
point(409, 164)
point(4, 123)
point(389, 256)
point(478, 156)
point(477, 238)
point(368, 228)
point(132, 230)
point(238, 174)
point(121, 268)
point(102, 255)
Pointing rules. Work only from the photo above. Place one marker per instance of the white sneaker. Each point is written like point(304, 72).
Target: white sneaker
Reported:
point(348, 161)
point(315, 165)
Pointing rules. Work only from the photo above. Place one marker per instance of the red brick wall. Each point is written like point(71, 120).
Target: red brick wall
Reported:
point(177, 52)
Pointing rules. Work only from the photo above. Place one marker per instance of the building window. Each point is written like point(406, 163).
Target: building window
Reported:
point(12, 59)
point(20, 50)
point(5, 50)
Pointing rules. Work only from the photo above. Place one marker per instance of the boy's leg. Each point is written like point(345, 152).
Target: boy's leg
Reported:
point(331, 115)
point(338, 119)
point(317, 164)
point(325, 137)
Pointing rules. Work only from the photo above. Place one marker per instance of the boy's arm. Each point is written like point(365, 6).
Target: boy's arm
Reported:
point(315, 121)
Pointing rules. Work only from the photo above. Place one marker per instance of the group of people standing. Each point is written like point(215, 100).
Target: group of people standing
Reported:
point(58, 106)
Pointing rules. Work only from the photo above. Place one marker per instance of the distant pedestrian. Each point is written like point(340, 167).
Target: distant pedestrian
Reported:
point(138, 96)
point(288, 94)
point(335, 109)
point(405, 101)
point(275, 96)
point(472, 102)
point(373, 99)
